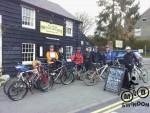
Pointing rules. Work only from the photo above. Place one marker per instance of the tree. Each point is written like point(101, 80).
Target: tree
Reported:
point(87, 22)
point(129, 9)
point(117, 18)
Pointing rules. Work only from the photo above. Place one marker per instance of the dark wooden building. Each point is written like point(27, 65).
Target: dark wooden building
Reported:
point(29, 27)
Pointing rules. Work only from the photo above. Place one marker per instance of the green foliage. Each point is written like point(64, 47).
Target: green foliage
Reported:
point(132, 42)
point(98, 41)
point(117, 19)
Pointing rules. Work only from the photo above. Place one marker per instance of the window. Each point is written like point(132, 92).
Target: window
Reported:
point(28, 53)
point(82, 43)
point(28, 17)
point(137, 32)
point(144, 19)
point(41, 51)
point(69, 28)
point(69, 50)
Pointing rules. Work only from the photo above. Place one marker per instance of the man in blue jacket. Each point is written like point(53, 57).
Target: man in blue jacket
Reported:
point(109, 56)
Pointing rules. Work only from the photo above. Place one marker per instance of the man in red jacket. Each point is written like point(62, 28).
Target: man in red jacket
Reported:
point(77, 58)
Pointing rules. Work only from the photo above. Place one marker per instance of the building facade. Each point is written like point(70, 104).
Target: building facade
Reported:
point(29, 27)
point(142, 27)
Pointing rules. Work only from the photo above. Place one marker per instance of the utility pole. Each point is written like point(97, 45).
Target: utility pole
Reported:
point(145, 50)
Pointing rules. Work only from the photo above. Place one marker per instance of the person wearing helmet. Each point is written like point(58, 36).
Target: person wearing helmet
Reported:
point(87, 60)
point(77, 58)
point(51, 55)
point(60, 54)
point(129, 60)
point(96, 56)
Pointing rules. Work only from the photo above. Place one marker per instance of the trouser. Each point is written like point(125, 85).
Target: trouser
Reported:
point(87, 65)
point(129, 71)
point(79, 66)
point(127, 77)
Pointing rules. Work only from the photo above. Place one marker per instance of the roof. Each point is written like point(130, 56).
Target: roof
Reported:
point(50, 6)
point(145, 15)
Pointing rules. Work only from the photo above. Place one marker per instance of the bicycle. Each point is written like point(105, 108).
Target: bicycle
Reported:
point(78, 73)
point(61, 74)
point(100, 72)
point(21, 71)
point(26, 83)
point(140, 73)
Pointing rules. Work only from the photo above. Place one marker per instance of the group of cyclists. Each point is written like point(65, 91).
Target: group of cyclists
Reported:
point(95, 56)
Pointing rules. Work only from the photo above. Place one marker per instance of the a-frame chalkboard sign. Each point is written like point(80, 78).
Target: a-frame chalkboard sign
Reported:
point(115, 79)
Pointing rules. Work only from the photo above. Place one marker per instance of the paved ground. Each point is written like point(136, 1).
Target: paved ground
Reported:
point(62, 99)
point(115, 105)
point(139, 109)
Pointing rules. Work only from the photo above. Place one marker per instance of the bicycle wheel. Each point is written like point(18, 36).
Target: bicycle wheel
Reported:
point(67, 77)
point(18, 90)
point(51, 82)
point(44, 83)
point(90, 78)
point(58, 80)
point(105, 74)
point(144, 75)
point(8, 84)
point(82, 72)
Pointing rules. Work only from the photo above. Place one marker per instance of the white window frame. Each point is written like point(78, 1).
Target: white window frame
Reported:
point(29, 13)
point(41, 51)
point(28, 62)
point(69, 25)
point(69, 54)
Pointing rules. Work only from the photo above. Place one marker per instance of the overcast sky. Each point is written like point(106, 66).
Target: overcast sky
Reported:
point(90, 7)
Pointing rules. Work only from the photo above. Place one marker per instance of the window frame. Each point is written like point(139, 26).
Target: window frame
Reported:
point(24, 8)
point(69, 54)
point(34, 53)
point(69, 25)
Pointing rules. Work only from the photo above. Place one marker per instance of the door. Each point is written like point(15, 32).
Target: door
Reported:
point(0, 43)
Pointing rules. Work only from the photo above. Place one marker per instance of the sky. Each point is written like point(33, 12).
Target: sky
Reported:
point(90, 7)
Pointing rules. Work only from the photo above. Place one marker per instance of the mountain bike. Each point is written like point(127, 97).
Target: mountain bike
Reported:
point(19, 88)
point(61, 74)
point(22, 70)
point(140, 73)
point(78, 73)
point(99, 72)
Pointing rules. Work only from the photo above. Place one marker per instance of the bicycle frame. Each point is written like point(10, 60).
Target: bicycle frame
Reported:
point(138, 70)
point(98, 73)
point(60, 72)
point(60, 69)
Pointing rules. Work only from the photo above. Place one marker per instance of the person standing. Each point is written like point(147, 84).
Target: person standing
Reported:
point(109, 56)
point(77, 58)
point(60, 54)
point(61, 58)
point(129, 60)
point(51, 55)
point(96, 56)
point(87, 60)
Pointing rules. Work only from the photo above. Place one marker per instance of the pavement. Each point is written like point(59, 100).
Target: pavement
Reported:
point(73, 98)
point(62, 99)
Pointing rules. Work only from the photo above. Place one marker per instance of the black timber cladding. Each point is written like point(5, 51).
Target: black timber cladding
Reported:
point(14, 35)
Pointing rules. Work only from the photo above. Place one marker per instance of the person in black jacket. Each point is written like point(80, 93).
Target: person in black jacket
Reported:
point(87, 60)
point(96, 56)
point(60, 57)
point(129, 60)
point(60, 54)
